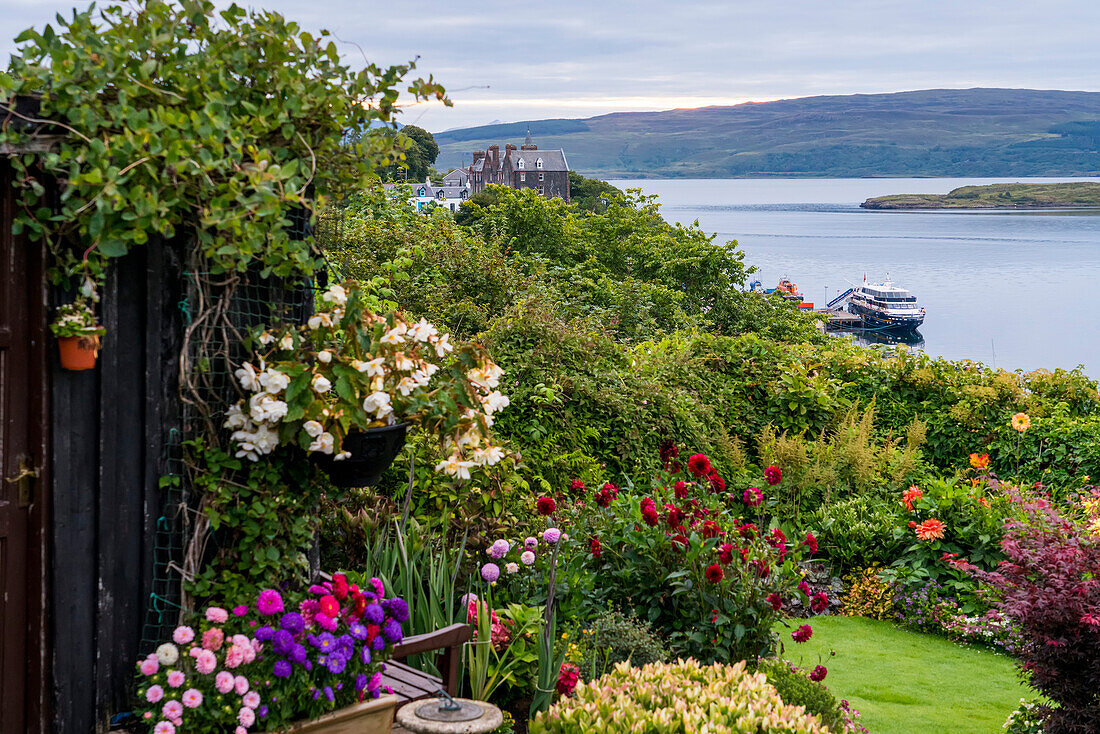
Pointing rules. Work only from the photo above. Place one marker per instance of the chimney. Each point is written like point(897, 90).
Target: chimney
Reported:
point(478, 155)
point(509, 146)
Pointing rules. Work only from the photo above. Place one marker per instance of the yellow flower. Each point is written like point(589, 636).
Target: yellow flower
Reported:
point(1021, 422)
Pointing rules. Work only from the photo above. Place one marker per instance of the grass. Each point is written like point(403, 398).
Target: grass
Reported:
point(997, 196)
point(909, 683)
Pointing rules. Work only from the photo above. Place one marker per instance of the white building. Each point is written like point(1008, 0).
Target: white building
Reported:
point(448, 196)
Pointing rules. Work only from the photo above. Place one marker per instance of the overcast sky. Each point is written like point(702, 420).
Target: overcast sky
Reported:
point(508, 61)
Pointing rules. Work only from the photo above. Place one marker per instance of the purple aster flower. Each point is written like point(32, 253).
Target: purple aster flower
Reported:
point(379, 643)
point(336, 664)
point(365, 655)
point(282, 669)
point(374, 614)
point(292, 622)
point(316, 695)
point(392, 631)
point(262, 711)
point(358, 631)
point(297, 654)
point(329, 694)
point(264, 633)
point(361, 681)
point(283, 642)
point(318, 590)
point(269, 602)
point(490, 572)
point(325, 642)
point(397, 608)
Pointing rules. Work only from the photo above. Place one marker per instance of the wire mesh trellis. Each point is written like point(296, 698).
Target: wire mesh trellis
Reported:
point(218, 311)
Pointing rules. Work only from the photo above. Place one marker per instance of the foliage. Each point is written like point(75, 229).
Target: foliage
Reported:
point(680, 696)
point(858, 532)
point(868, 595)
point(1026, 719)
point(590, 194)
point(420, 152)
point(1048, 586)
point(348, 368)
point(187, 121)
point(930, 607)
point(795, 688)
point(262, 519)
point(503, 652)
point(76, 319)
point(611, 638)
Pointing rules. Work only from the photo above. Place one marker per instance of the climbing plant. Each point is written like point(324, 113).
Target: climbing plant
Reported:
point(183, 120)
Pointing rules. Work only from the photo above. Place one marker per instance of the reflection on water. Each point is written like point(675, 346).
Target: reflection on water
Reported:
point(870, 337)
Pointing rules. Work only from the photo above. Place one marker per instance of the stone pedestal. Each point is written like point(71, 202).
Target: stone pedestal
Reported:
point(425, 717)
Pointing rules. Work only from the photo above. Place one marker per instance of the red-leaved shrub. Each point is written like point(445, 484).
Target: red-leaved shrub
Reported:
point(1050, 586)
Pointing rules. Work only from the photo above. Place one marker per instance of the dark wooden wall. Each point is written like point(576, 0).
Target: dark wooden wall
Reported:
point(110, 444)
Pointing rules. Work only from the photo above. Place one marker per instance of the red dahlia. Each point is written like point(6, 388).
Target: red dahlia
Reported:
point(819, 674)
point(712, 529)
point(680, 489)
point(810, 542)
point(545, 505)
point(674, 517)
point(775, 600)
point(649, 515)
point(748, 531)
point(714, 573)
point(699, 465)
point(773, 475)
point(752, 497)
point(576, 488)
point(594, 547)
point(803, 633)
point(819, 603)
point(717, 483)
point(725, 554)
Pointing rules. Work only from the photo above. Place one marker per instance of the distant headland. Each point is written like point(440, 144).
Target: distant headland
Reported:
point(1074, 195)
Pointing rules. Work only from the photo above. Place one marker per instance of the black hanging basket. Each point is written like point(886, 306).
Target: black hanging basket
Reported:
point(372, 452)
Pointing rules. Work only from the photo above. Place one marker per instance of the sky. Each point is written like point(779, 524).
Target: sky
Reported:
point(522, 60)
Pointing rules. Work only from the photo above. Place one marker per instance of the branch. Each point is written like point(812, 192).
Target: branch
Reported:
point(39, 121)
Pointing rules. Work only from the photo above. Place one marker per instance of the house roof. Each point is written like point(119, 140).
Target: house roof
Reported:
point(552, 160)
point(461, 175)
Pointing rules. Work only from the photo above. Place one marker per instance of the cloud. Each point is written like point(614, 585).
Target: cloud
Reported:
point(575, 58)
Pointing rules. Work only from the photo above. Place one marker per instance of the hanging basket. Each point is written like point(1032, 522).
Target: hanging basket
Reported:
point(372, 452)
point(78, 352)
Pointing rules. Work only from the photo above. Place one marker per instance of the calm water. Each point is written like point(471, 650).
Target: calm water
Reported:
point(1014, 289)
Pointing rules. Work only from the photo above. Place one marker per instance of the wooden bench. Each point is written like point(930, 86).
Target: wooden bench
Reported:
point(410, 684)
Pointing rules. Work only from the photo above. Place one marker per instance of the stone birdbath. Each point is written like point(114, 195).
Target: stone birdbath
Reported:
point(446, 715)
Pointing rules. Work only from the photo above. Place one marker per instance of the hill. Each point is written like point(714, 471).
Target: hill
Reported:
point(937, 132)
point(997, 196)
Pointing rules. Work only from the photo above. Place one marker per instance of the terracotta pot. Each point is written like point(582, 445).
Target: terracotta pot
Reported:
point(369, 717)
point(78, 352)
point(372, 452)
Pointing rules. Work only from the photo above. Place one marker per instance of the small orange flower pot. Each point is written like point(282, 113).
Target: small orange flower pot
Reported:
point(78, 352)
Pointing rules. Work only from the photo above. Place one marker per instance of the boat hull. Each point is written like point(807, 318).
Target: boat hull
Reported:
point(875, 320)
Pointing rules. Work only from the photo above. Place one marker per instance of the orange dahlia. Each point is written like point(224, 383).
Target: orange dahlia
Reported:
point(979, 461)
point(1021, 422)
point(931, 529)
point(911, 495)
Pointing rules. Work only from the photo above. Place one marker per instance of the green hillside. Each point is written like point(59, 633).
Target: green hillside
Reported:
point(997, 196)
point(938, 132)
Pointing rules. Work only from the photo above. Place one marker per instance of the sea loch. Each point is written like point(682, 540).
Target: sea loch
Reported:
point(1015, 289)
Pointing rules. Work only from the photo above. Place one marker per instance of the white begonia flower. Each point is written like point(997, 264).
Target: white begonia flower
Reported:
point(402, 363)
point(455, 467)
point(393, 336)
point(423, 331)
point(421, 377)
point(336, 294)
point(377, 384)
point(492, 374)
point(488, 456)
point(407, 385)
point(378, 403)
point(342, 455)
point(267, 338)
point(442, 346)
point(358, 365)
point(264, 407)
point(287, 342)
point(313, 428)
point(324, 356)
point(376, 367)
point(168, 654)
point(495, 402)
point(477, 376)
point(235, 418)
point(317, 320)
point(321, 384)
point(325, 443)
point(274, 381)
point(266, 439)
point(248, 378)
point(471, 437)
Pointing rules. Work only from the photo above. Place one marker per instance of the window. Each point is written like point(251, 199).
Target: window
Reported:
point(421, 192)
point(522, 175)
point(521, 163)
point(541, 176)
point(538, 163)
point(541, 191)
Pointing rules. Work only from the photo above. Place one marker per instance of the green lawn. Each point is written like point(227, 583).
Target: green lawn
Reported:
point(909, 683)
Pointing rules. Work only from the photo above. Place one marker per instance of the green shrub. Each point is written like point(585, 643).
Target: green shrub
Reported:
point(868, 595)
point(676, 697)
point(796, 689)
point(612, 638)
point(858, 531)
point(1026, 719)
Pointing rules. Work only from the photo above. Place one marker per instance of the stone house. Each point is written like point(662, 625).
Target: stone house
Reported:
point(545, 171)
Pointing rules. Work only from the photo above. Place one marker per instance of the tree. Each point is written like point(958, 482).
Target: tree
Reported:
point(591, 194)
point(420, 152)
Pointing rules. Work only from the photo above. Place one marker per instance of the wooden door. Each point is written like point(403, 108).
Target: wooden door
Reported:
point(22, 458)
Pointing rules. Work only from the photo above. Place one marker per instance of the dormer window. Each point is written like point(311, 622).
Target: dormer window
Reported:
point(522, 164)
point(538, 163)
point(422, 191)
